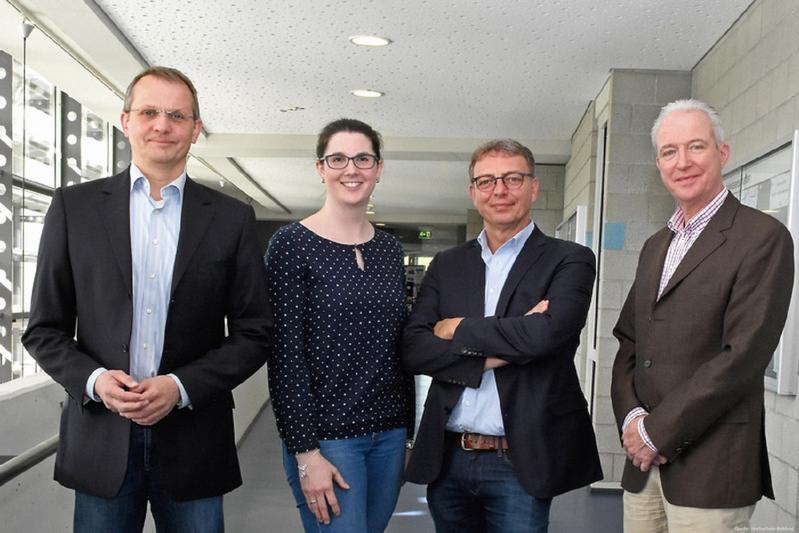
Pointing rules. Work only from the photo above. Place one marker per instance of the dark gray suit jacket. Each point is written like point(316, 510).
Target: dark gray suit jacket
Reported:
point(695, 358)
point(552, 444)
point(84, 278)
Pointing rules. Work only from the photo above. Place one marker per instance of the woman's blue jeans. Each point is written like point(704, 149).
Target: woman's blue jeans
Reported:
point(372, 466)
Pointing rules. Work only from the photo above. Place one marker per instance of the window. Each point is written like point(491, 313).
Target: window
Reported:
point(769, 184)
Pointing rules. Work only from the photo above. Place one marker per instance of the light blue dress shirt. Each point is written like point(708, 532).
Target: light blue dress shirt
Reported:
point(478, 410)
point(154, 233)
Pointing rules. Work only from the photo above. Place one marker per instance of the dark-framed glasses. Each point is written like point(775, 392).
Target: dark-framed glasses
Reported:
point(339, 161)
point(512, 180)
point(151, 113)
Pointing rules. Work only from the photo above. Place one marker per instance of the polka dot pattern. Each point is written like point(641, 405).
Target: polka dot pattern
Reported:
point(335, 370)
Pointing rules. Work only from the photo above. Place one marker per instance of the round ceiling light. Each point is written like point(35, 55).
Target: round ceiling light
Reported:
point(369, 40)
point(366, 93)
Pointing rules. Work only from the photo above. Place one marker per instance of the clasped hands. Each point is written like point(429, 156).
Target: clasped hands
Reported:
point(144, 402)
point(642, 456)
point(445, 329)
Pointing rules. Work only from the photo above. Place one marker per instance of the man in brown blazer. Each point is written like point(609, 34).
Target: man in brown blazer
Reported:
point(696, 333)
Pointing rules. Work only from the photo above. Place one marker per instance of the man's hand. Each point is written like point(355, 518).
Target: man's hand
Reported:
point(317, 485)
point(638, 452)
point(540, 307)
point(494, 362)
point(161, 394)
point(116, 389)
point(445, 329)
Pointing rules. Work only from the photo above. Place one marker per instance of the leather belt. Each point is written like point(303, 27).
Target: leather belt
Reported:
point(478, 442)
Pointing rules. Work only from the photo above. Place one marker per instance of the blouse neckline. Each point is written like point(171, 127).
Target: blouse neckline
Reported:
point(344, 244)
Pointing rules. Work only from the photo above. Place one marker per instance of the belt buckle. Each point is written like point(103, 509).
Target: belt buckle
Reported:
point(463, 443)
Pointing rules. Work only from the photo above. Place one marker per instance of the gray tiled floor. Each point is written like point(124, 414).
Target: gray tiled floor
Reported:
point(264, 503)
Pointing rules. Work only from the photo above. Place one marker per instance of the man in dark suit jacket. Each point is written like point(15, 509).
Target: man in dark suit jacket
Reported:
point(505, 426)
point(149, 265)
point(696, 333)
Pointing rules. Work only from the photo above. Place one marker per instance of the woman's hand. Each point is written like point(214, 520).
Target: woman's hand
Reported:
point(317, 475)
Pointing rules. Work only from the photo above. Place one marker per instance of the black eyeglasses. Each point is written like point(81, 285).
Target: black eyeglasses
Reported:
point(339, 161)
point(512, 180)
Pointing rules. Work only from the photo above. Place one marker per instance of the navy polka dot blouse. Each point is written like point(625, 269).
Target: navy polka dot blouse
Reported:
point(334, 372)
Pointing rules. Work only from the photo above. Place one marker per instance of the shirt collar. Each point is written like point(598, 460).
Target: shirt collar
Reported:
point(678, 223)
point(137, 176)
point(515, 243)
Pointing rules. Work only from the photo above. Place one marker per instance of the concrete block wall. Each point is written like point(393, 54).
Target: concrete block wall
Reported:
point(751, 76)
point(635, 206)
point(548, 209)
point(581, 168)
point(578, 189)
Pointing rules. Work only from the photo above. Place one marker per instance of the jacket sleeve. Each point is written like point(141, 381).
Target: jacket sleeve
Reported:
point(622, 386)
point(527, 338)
point(50, 334)
point(423, 352)
point(752, 324)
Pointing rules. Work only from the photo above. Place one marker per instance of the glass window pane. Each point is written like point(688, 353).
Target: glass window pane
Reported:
point(38, 125)
point(94, 147)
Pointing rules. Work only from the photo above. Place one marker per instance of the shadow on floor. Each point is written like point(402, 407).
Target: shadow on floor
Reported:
point(264, 503)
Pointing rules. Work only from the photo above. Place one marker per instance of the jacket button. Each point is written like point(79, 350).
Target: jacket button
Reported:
point(647, 363)
point(649, 318)
point(124, 348)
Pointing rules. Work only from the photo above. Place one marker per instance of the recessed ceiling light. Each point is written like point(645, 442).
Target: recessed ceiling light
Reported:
point(366, 93)
point(369, 40)
point(380, 224)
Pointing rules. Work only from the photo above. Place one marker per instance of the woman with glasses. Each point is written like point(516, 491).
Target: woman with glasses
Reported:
point(341, 402)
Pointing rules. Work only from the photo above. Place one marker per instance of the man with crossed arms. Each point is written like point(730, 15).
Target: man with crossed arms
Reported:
point(505, 426)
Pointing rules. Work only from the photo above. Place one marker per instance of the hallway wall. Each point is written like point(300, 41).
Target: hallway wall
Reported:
point(751, 76)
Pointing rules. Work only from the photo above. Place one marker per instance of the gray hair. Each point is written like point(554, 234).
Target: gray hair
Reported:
point(690, 105)
point(509, 147)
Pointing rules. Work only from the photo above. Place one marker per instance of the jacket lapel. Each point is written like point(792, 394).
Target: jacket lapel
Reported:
point(115, 213)
point(531, 252)
point(197, 214)
point(475, 278)
point(651, 279)
point(711, 238)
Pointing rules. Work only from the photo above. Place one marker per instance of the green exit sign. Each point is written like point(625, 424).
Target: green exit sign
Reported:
point(425, 234)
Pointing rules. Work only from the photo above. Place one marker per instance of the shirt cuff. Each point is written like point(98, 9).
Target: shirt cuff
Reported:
point(632, 415)
point(184, 396)
point(645, 436)
point(90, 384)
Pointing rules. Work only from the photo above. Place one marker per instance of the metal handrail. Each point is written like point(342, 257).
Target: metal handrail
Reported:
point(27, 459)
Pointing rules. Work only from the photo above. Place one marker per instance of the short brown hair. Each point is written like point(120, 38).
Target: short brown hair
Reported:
point(508, 147)
point(165, 73)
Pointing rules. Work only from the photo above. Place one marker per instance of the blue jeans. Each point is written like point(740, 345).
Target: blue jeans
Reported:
point(372, 466)
point(144, 481)
point(478, 491)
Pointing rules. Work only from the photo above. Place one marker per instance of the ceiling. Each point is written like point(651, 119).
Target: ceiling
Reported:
point(457, 72)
